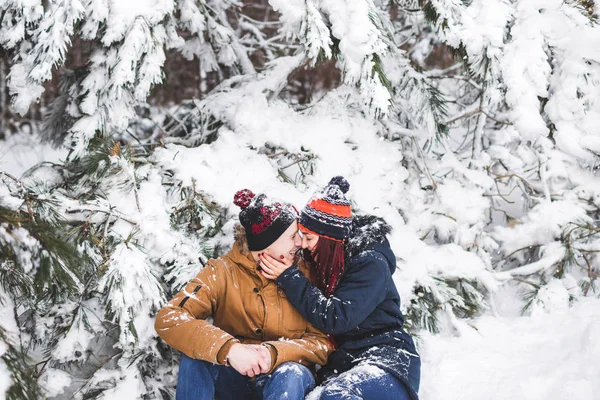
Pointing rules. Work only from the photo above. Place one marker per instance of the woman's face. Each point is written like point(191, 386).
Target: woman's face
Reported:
point(286, 245)
point(309, 241)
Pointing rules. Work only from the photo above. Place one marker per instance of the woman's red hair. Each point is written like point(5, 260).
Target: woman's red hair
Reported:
point(327, 261)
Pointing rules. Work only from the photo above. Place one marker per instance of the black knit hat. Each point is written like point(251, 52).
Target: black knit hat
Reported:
point(264, 220)
point(328, 213)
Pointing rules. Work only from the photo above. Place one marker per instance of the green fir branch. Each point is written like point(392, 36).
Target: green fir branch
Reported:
point(23, 375)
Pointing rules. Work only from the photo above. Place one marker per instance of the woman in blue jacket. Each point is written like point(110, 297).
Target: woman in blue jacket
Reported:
point(352, 297)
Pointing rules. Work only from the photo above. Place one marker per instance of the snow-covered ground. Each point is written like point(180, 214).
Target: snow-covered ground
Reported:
point(549, 355)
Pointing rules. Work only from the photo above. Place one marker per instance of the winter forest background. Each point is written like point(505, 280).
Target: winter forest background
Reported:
point(472, 127)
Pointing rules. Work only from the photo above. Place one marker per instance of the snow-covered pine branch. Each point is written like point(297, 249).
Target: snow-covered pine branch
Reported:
point(128, 53)
point(536, 71)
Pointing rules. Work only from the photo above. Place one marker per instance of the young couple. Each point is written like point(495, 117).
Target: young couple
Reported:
point(276, 315)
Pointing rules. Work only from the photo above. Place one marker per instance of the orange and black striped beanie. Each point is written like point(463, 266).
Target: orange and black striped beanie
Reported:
point(328, 212)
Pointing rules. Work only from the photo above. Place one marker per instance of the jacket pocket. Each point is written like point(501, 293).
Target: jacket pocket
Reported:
point(186, 298)
point(291, 320)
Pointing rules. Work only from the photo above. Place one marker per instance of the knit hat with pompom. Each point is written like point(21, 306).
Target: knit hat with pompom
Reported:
point(328, 212)
point(263, 219)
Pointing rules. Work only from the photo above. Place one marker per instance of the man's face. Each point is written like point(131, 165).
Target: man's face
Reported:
point(286, 245)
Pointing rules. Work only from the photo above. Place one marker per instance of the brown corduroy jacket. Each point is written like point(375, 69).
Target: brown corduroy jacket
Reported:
point(245, 307)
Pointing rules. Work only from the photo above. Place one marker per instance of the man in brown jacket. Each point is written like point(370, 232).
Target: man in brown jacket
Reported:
point(258, 345)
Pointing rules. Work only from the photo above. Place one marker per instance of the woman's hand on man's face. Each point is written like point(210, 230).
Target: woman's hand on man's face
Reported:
point(272, 267)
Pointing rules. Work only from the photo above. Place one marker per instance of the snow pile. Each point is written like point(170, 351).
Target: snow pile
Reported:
point(550, 356)
point(22, 151)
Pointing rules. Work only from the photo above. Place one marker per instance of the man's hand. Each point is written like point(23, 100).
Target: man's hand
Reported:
point(265, 357)
point(271, 267)
point(249, 360)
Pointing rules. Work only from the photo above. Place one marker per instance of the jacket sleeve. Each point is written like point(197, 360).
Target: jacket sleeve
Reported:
point(182, 322)
point(312, 348)
point(360, 290)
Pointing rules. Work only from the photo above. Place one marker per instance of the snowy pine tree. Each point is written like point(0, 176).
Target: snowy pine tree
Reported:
point(40, 267)
point(532, 134)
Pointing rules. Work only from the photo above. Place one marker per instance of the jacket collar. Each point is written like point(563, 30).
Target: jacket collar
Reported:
point(241, 255)
point(367, 230)
point(242, 258)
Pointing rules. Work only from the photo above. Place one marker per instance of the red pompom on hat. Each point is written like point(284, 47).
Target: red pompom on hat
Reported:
point(243, 198)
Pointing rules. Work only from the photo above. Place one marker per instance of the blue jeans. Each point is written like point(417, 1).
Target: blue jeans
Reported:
point(364, 382)
point(201, 380)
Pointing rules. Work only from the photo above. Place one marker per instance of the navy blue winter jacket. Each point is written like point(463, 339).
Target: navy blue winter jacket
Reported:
point(363, 314)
